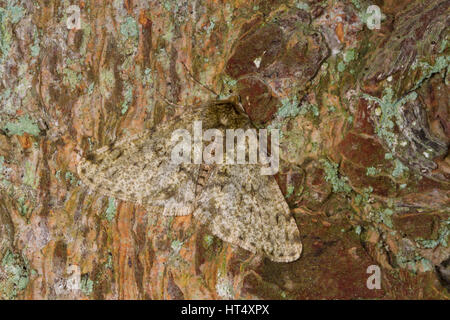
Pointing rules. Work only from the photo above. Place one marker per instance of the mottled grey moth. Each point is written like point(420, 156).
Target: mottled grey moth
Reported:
point(236, 202)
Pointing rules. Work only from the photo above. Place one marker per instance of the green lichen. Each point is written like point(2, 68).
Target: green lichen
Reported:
point(229, 85)
point(128, 98)
point(2, 162)
point(364, 197)
point(109, 262)
point(309, 108)
point(169, 33)
point(107, 82)
point(383, 216)
point(176, 246)
point(5, 34)
point(8, 16)
point(444, 46)
point(148, 78)
point(290, 191)
point(208, 241)
point(71, 78)
point(91, 88)
point(87, 31)
point(338, 183)
point(289, 108)
point(15, 277)
point(29, 176)
point(371, 171)
point(70, 177)
point(35, 49)
point(356, 4)
point(24, 125)
point(210, 27)
point(442, 238)
point(350, 55)
point(303, 6)
point(16, 13)
point(413, 262)
point(441, 63)
point(388, 114)
point(23, 207)
point(111, 211)
point(129, 28)
point(86, 285)
point(399, 169)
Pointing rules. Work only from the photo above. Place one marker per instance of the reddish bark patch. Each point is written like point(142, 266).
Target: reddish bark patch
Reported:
point(363, 151)
point(382, 186)
point(265, 42)
point(258, 102)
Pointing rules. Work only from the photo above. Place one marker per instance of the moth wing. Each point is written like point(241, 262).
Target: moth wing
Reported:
point(139, 169)
point(248, 209)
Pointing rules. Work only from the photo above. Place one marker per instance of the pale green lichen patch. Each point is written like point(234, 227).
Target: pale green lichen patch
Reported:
point(413, 262)
point(427, 70)
point(309, 108)
point(302, 5)
point(14, 275)
point(363, 198)
point(211, 25)
point(86, 285)
point(8, 16)
point(24, 125)
point(442, 238)
point(23, 207)
point(107, 82)
point(128, 98)
point(16, 13)
point(350, 55)
point(228, 85)
point(71, 78)
point(129, 28)
point(208, 241)
point(176, 246)
point(388, 114)
point(383, 216)
point(290, 191)
point(371, 171)
point(399, 169)
point(29, 177)
point(2, 161)
point(341, 66)
point(111, 210)
point(289, 108)
point(338, 183)
point(70, 177)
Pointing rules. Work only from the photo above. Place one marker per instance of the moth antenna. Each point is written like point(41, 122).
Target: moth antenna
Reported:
point(168, 101)
point(198, 82)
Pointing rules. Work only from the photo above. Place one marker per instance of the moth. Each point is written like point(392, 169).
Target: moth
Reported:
point(236, 202)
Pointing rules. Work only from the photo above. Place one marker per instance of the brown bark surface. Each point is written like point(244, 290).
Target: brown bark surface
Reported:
point(364, 116)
